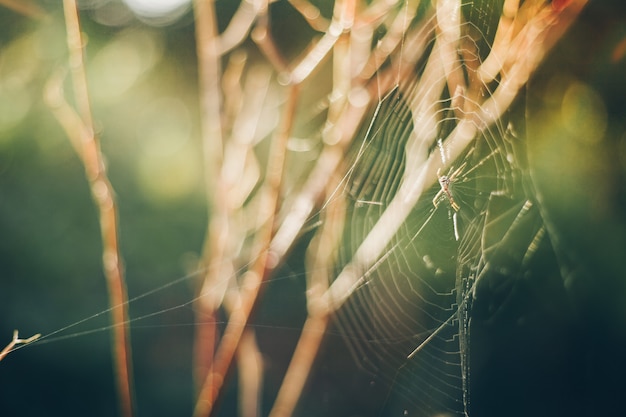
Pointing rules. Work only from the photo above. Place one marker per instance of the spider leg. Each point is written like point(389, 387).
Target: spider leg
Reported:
point(453, 203)
point(438, 197)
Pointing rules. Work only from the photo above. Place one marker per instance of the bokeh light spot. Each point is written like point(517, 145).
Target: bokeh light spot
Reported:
point(168, 168)
point(583, 113)
point(18, 65)
point(119, 65)
point(164, 126)
point(158, 12)
point(168, 179)
point(14, 106)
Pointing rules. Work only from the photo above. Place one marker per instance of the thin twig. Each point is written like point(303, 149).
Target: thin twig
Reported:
point(241, 174)
point(442, 70)
point(102, 192)
point(26, 7)
point(311, 14)
point(339, 138)
point(319, 263)
point(209, 72)
point(347, 70)
point(315, 325)
point(532, 42)
point(261, 35)
point(17, 341)
point(268, 206)
point(239, 26)
point(253, 278)
point(395, 36)
point(300, 365)
point(250, 367)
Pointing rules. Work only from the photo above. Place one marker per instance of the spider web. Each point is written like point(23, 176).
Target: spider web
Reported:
point(407, 318)
point(436, 234)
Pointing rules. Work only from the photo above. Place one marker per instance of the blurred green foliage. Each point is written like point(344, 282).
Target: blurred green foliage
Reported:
point(144, 92)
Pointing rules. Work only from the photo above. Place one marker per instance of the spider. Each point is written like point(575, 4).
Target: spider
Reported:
point(444, 182)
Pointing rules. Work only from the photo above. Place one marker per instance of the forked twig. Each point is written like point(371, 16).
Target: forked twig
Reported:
point(17, 341)
point(258, 273)
point(443, 69)
point(269, 202)
point(261, 35)
point(365, 86)
point(348, 65)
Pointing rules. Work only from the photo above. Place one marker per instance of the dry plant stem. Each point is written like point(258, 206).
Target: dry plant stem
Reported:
point(389, 43)
point(342, 20)
point(262, 37)
point(315, 325)
point(209, 71)
point(265, 262)
point(26, 7)
point(210, 96)
point(343, 17)
point(317, 54)
point(250, 367)
point(206, 339)
point(66, 116)
point(15, 342)
point(311, 14)
point(220, 221)
point(103, 195)
point(449, 23)
point(377, 10)
point(319, 257)
point(240, 24)
point(533, 41)
point(252, 279)
point(330, 160)
point(339, 138)
point(300, 366)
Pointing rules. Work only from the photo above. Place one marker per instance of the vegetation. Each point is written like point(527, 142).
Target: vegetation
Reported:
point(310, 204)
